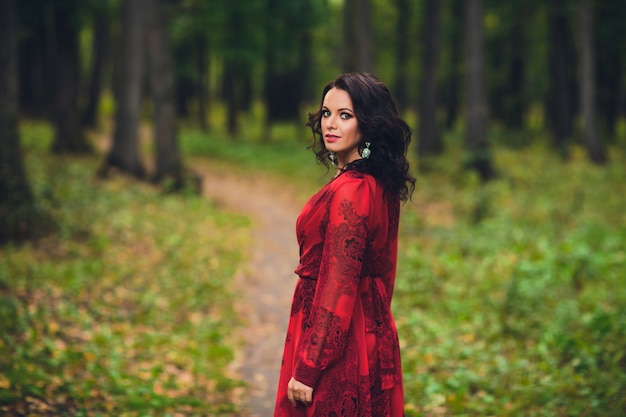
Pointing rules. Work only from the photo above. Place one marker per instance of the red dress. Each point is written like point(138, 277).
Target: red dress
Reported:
point(341, 339)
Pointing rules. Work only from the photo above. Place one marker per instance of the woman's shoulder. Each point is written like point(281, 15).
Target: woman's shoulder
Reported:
point(352, 177)
point(353, 181)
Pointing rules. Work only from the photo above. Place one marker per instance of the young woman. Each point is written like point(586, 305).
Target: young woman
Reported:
point(341, 355)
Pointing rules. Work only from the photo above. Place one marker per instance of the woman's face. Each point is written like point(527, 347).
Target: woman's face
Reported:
point(340, 127)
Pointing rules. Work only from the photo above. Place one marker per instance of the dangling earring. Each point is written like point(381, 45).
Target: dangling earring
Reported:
point(331, 156)
point(366, 152)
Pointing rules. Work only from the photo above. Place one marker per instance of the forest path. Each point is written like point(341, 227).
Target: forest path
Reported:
point(266, 287)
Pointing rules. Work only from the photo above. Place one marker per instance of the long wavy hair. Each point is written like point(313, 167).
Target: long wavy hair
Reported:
point(380, 124)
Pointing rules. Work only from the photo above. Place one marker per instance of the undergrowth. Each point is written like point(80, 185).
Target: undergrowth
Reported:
point(510, 295)
point(509, 298)
point(127, 310)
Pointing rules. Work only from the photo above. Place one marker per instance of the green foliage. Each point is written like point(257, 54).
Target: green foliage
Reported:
point(509, 297)
point(127, 310)
point(518, 311)
point(285, 156)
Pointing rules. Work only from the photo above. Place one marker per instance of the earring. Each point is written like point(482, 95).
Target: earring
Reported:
point(331, 156)
point(366, 152)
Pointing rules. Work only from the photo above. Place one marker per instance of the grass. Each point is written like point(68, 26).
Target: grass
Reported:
point(509, 298)
point(128, 309)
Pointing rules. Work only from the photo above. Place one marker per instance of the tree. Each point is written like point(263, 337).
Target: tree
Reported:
point(403, 9)
point(506, 60)
point(561, 99)
point(610, 40)
point(36, 80)
point(478, 155)
point(124, 153)
point(68, 133)
point(358, 50)
point(240, 48)
point(364, 33)
point(196, 28)
point(288, 58)
point(168, 162)
point(20, 216)
point(429, 142)
point(100, 56)
point(452, 73)
point(587, 83)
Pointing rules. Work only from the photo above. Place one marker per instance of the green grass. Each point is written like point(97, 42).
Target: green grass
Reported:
point(285, 156)
point(509, 298)
point(128, 308)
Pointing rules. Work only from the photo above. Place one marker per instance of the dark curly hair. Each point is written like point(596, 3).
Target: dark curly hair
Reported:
point(380, 124)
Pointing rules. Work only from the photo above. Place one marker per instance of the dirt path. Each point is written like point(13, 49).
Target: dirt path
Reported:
point(268, 282)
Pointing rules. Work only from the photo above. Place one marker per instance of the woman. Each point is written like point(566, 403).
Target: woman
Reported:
point(341, 355)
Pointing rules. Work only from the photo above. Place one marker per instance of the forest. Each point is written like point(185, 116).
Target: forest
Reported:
point(117, 293)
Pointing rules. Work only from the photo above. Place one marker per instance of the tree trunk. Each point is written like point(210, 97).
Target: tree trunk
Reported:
point(37, 70)
point(477, 148)
point(69, 136)
point(168, 161)
point(288, 62)
point(452, 85)
point(429, 142)
point(587, 84)
point(515, 103)
point(357, 52)
point(560, 106)
point(100, 51)
point(19, 216)
point(202, 66)
point(229, 87)
point(609, 41)
point(403, 8)
point(124, 153)
point(350, 44)
point(364, 34)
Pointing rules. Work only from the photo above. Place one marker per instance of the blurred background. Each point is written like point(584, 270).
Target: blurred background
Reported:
point(511, 279)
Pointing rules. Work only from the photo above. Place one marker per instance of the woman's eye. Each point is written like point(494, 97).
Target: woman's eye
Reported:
point(325, 113)
point(345, 116)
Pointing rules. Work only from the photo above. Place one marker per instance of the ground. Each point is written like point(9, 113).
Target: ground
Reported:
point(267, 286)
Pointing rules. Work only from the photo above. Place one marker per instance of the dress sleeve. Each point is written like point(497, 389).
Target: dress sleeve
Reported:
point(345, 241)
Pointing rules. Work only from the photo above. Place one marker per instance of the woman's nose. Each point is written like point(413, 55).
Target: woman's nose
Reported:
point(329, 122)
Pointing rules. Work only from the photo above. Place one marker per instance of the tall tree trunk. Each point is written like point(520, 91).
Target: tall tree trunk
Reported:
point(168, 161)
point(202, 68)
point(452, 85)
point(364, 34)
point(560, 105)
point(350, 44)
point(231, 96)
point(515, 103)
point(591, 139)
point(37, 70)
point(609, 43)
point(429, 141)
point(100, 55)
point(69, 136)
point(477, 148)
point(124, 153)
point(288, 61)
point(19, 216)
point(403, 9)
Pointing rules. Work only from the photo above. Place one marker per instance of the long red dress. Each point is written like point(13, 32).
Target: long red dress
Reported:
point(341, 338)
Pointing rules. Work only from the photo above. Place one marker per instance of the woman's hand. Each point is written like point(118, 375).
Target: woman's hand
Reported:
point(297, 391)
